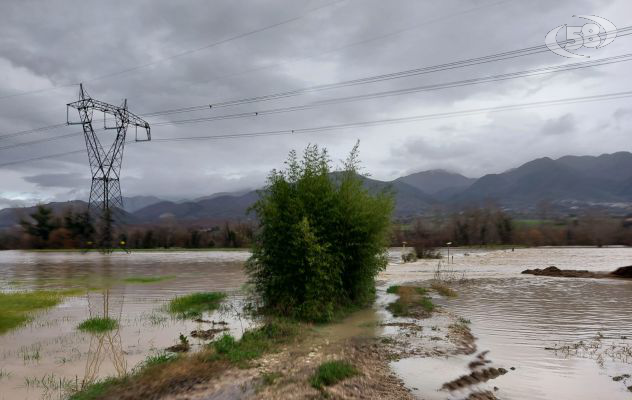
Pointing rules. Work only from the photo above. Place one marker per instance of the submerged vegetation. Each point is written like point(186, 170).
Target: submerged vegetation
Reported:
point(193, 305)
point(16, 308)
point(98, 324)
point(322, 238)
point(148, 279)
point(443, 289)
point(332, 372)
point(412, 302)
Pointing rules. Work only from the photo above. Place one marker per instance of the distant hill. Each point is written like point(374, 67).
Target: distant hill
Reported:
point(436, 181)
point(603, 179)
point(135, 203)
point(571, 184)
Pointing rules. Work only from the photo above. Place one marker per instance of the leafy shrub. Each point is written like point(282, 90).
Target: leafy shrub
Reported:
point(322, 238)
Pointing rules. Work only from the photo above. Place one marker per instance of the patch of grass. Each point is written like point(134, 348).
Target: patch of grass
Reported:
point(16, 308)
point(96, 389)
point(148, 279)
point(158, 359)
point(97, 325)
point(193, 305)
point(393, 289)
point(331, 372)
point(253, 343)
point(463, 321)
point(443, 289)
point(427, 304)
point(412, 302)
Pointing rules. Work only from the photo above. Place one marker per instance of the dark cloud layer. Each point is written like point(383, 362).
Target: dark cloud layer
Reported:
point(44, 44)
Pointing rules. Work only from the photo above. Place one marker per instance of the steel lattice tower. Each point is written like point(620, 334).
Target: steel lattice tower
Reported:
point(105, 166)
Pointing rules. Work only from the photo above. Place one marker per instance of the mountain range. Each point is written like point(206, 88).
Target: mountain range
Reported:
point(570, 184)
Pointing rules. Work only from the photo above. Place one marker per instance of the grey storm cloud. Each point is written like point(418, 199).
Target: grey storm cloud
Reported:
point(164, 55)
point(559, 126)
point(63, 180)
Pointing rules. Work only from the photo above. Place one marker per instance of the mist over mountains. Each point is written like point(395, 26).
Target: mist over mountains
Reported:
point(567, 185)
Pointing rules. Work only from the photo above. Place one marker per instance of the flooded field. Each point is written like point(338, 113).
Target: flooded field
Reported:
point(566, 337)
point(518, 317)
point(49, 356)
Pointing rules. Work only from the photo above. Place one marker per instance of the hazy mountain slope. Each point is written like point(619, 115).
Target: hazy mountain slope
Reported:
point(436, 180)
point(135, 203)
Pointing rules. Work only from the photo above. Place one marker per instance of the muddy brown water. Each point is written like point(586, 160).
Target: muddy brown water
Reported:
point(48, 356)
point(513, 316)
point(517, 316)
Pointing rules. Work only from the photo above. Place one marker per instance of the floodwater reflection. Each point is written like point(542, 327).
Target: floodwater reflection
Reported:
point(105, 344)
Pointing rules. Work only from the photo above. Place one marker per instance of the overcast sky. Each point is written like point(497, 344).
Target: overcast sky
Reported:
point(46, 44)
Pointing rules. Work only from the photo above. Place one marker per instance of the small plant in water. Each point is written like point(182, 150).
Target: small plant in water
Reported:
point(193, 305)
point(4, 374)
point(97, 324)
point(147, 279)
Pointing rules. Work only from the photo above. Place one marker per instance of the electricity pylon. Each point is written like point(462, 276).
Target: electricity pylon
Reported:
point(105, 166)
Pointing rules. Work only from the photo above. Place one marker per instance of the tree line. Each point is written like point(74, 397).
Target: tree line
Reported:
point(479, 226)
point(78, 230)
point(490, 225)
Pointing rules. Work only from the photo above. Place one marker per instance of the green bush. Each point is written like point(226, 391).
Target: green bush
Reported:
point(322, 238)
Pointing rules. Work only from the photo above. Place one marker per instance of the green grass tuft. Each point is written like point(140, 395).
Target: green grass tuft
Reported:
point(332, 372)
point(158, 359)
point(16, 308)
point(193, 305)
point(393, 289)
point(96, 389)
point(427, 304)
point(148, 279)
point(253, 343)
point(411, 298)
point(97, 325)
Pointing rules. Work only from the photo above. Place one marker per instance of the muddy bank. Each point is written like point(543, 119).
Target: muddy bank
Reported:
point(619, 273)
point(371, 344)
point(286, 374)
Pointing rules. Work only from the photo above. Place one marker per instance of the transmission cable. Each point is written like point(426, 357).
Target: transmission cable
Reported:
point(452, 114)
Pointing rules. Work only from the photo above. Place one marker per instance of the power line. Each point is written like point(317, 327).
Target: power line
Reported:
point(360, 42)
point(512, 107)
point(371, 79)
point(181, 54)
point(452, 114)
point(376, 78)
point(404, 91)
point(34, 130)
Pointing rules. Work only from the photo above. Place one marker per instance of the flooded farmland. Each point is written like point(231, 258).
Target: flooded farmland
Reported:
point(49, 356)
point(518, 317)
point(566, 338)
